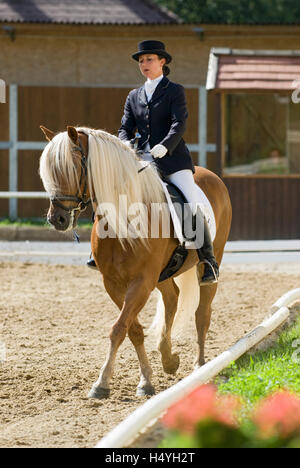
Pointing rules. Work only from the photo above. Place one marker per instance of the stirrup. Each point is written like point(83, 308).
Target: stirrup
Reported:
point(92, 264)
point(212, 278)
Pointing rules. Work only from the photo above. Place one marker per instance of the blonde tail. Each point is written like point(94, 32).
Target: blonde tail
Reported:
point(188, 301)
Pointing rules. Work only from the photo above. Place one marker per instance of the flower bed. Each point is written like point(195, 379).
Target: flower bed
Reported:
point(207, 419)
point(257, 405)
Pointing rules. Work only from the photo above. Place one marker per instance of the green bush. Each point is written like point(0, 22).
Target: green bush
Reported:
point(233, 12)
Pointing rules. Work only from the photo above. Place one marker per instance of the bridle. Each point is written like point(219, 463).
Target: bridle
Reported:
point(81, 198)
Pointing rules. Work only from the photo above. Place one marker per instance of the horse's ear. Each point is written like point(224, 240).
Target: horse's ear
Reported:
point(72, 132)
point(48, 133)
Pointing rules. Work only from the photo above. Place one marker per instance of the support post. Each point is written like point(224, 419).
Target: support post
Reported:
point(219, 134)
point(13, 151)
point(202, 126)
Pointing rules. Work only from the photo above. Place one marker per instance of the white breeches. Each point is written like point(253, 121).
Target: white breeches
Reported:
point(184, 180)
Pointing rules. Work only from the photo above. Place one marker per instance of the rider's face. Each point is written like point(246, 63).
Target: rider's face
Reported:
point(151, 65)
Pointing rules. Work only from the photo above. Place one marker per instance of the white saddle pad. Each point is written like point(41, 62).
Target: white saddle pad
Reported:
point(207, 211)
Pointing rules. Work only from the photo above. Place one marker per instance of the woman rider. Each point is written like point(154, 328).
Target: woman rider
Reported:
point(158, 112)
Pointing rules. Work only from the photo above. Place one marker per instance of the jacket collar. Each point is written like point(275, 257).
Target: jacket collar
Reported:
point(160, 89)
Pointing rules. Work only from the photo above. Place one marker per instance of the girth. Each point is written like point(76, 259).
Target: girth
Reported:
point(180, 253)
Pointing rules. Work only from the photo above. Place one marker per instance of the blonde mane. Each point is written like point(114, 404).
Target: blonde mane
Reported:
point(112, 172)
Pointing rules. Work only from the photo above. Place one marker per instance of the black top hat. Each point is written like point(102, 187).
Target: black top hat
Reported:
point(152, 47)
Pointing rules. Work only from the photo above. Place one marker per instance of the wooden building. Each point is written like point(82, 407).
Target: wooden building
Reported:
point(70, 63)
point(258, 138)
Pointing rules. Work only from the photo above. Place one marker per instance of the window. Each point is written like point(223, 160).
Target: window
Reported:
point(262, 134)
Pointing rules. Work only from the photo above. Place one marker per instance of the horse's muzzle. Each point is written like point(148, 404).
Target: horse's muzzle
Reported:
point(60, 220)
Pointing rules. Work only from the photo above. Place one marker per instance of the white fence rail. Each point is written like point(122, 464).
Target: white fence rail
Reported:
point(24, 195)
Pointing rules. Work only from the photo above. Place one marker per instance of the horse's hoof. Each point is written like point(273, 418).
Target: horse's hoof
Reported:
point(99, 393)
point(148, 390)
point(171, 366)
point(198, 365)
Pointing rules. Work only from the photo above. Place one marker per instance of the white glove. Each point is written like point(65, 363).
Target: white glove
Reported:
point(159, 151)
point(127, 143)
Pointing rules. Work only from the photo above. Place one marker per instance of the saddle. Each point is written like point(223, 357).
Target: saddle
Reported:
point(180, 254)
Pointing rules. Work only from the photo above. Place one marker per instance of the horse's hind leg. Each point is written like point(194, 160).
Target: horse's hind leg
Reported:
point(136, 335)
point(170, 293)
point(203, 312)
point(203, 315)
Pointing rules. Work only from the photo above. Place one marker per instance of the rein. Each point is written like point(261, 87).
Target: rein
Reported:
point(80, 199)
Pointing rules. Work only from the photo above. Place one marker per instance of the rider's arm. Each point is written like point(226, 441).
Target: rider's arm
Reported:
point(128, 123)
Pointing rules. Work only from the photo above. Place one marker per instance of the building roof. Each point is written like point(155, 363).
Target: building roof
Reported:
point(231, 69)
point(137, 12)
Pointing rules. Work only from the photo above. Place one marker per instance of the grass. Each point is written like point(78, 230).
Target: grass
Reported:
point(37, 222)
point(4, 222)
point(255, 376)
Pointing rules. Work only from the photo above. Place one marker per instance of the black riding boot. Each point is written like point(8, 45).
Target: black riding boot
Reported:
point(91, 263)
point(206, 255)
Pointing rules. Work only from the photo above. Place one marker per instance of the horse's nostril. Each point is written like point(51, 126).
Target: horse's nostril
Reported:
point(61, 220)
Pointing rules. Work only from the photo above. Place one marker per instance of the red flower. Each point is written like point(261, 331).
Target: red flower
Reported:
point(201, 404)
point(278, 415)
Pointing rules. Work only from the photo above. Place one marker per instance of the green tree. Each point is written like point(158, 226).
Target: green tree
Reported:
point(236, 11)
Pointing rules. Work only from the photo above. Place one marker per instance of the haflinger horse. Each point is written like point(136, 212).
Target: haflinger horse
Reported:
point(83, 164)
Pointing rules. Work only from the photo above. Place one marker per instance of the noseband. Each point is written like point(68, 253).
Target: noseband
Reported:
point(80, 199)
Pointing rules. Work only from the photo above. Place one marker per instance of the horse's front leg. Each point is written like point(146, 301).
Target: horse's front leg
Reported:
point(136, 297)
